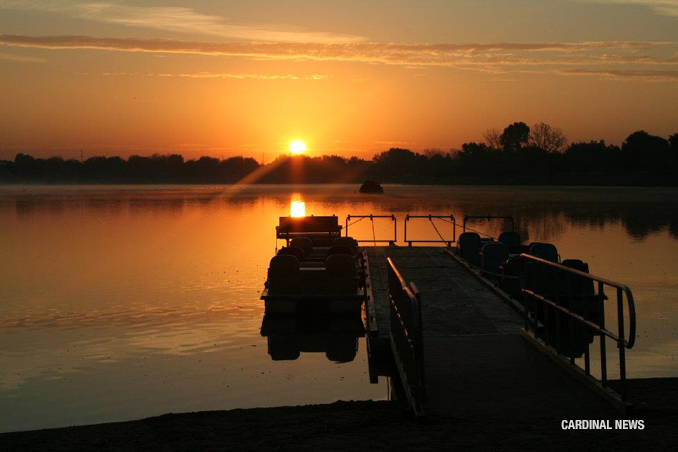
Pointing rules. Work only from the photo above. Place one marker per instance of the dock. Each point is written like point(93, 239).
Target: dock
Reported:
point(476, 362)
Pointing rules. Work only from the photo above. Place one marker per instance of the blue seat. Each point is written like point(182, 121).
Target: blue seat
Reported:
point(510, 238)
point(492, 256)
point(469, 246)
point(546, 251)
point(292, 251)
point(511, 272)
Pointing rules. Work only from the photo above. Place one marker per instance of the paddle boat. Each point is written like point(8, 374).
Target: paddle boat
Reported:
point(317, 269)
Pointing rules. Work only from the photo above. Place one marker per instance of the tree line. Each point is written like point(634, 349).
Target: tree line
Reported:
point(518, 154)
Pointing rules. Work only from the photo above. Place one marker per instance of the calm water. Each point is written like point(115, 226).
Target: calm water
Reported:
point(125, 302)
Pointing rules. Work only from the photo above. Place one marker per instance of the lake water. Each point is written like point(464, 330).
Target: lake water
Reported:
point(118, 303)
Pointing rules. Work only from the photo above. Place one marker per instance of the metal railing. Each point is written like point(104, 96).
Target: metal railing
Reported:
point(488, 218)
point(359, 218)
point(406, 337)
point(567, 321)
point(446, 218)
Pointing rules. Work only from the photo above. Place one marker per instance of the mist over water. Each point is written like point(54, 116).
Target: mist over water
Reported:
point(125, 302)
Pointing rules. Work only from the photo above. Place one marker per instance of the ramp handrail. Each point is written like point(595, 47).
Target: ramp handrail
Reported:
point(448, 218)
point(406, 336)
point(374, 238)
point(553, 304)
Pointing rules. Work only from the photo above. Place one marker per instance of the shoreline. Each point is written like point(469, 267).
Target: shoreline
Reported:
point(379, 425)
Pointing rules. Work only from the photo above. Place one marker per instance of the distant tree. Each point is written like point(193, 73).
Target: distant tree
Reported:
point(594, 156)
point(397, 164)
point(548, 138)
point(24, 159)
point(493, 138)
point(673, 141)
point(515, 136)
point(433, 152)
point(649, 152)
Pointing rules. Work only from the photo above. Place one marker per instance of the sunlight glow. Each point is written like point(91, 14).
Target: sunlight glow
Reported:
point(298, 209)
point(297, 147)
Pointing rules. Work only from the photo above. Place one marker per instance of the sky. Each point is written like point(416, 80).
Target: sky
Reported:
point(227, 78)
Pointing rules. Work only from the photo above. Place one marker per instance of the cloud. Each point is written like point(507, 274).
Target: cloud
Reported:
point(248, 76)
point(488, 54)
point(177, 19)
point(621, 74)
point(20, 58)
point(217, 75)
point(664, 7)
point(628, 59)
point(253, 76)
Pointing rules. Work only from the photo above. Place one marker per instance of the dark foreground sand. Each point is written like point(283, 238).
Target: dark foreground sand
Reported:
point(351, 426)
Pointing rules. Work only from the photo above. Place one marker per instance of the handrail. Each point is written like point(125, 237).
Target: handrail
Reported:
point(623, 287)
point(553, 304)
point(489, 217)
point(431, 218)
point(374, 238)
point(406, 336)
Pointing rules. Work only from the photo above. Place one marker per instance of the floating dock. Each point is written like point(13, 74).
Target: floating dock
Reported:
point(474, 358)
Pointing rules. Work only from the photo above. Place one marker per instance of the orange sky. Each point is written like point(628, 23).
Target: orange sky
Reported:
point(351, 78)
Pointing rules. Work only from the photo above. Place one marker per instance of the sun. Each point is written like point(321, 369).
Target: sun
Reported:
point(297, 147)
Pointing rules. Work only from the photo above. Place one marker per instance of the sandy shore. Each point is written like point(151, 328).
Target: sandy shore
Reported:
point(349, 426)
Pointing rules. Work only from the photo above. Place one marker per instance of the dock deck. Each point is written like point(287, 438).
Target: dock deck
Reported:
point(476, 362)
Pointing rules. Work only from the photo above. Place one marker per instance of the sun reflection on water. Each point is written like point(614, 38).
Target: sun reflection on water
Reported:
point(298, 208)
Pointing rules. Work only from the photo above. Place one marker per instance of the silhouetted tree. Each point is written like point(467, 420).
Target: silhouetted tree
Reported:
point(673, 142)
point(515, 136)
point(644, 160)
point(648, 152)
point(493, 138)
point(546, 137)
point(432, 152)
point(396, 163)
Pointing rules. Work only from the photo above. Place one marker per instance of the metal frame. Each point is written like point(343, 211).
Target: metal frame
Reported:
point(431, 218)
point(532, 325)
point(312, 234)
point(488, 218)
point(406, 337)
point(372, 217)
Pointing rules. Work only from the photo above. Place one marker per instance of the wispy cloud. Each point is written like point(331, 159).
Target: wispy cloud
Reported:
point(664, 7)
point(177, 19)
point(621, 74)
point(248, 76)
point(563, 58)
point(490, 54)
point(20, 58)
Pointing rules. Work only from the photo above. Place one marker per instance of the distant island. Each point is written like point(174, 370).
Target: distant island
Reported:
point(518, 155)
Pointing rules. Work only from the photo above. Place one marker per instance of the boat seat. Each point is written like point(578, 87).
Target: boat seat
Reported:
point(578, 292)
point(348, 242)
point(292, 251)
point(341, 348)
point(317, 227)
point(342, 274)
point(281, 348)
point(283, 274)
point(492, 255)
point(304, 243)
point(469, 245)
point(339, 250)
point(578, 285)
point(546, 251)
point(510, 238)
point(511, 271)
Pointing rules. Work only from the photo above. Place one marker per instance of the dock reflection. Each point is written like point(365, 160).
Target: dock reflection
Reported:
point(291, 335)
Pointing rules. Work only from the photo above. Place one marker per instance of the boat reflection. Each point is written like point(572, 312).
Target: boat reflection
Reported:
point(335, 335)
